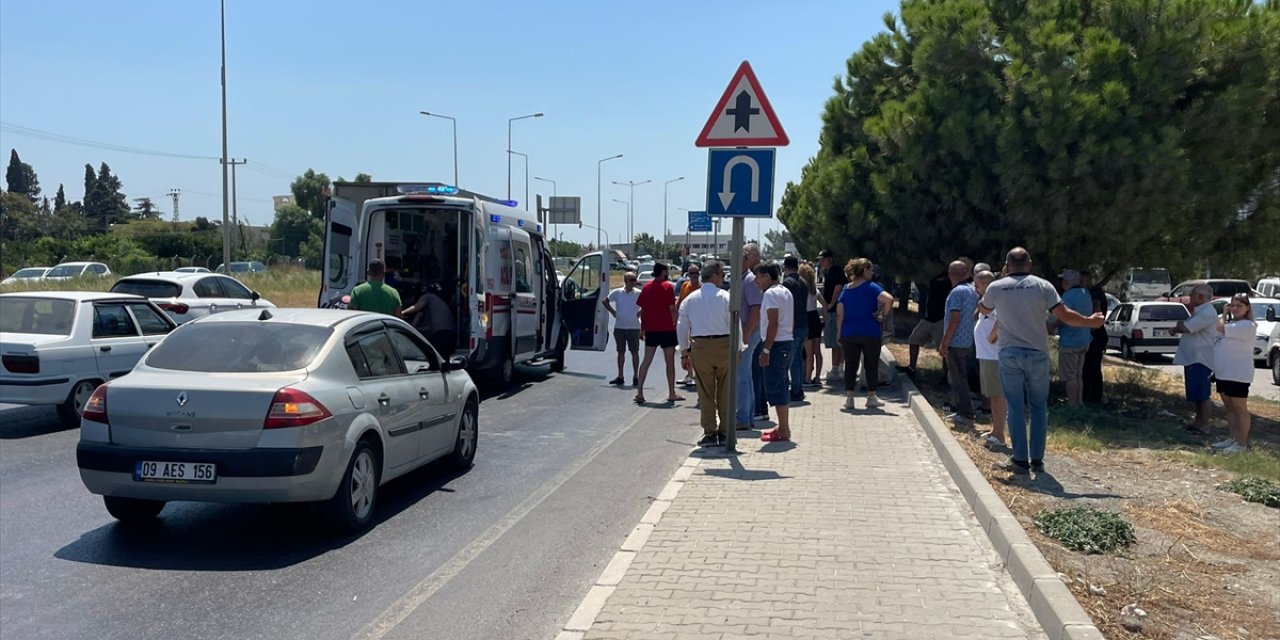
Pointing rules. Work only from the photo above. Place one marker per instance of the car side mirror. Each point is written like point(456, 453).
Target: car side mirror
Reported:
point(455, 363)
point(1271, 314)
point(253, 295)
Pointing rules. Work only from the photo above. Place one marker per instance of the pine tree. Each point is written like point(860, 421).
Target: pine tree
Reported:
point(60, 200)
point(21, 178)
point(92, 208)
point(113, 206)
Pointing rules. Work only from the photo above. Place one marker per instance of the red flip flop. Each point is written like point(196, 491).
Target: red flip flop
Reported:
point(773, 436)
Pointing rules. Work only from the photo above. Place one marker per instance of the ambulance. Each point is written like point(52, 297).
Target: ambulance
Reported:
point(490, 259)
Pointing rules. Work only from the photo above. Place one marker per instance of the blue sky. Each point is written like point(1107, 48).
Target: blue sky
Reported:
point(338, 86)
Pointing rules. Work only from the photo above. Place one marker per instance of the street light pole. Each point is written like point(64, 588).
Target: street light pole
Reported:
point(509, 121)
point(631, 230)
point(226, 213)
point(599, 169)
point(455, 140)
point(664, 206)
point(526, 176)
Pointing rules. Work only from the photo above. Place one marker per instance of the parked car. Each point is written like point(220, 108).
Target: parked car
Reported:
point(69, 270)
point(243, 267)
point(56, 347)
point(1139, 328)
point(1222, 288)
point(29, 274)
point(1268, 287)
point(188, 296)
point(288, 405)
point(1264, 313)
point(192, 270)
point(1137, 284)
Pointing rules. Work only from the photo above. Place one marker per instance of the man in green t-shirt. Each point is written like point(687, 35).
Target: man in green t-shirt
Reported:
point(374, 294)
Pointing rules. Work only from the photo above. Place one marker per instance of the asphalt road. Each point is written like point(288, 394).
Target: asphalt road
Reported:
point(566, 466)
point(1262, 385)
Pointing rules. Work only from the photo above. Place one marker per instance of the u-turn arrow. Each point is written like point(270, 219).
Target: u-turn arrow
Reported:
point(727, 193)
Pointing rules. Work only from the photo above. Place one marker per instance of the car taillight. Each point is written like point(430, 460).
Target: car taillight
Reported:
point(176, 307)
point(293, 408)
point(95, 409)
point(21, 364)
point(1136, 335)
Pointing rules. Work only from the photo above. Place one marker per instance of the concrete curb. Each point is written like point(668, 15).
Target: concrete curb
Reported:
point(591, 606)
point(1055, 607)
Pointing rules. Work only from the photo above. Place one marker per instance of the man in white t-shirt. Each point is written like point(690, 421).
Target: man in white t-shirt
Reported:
point(777, 327)
point(621, 303)
point(1195, 355)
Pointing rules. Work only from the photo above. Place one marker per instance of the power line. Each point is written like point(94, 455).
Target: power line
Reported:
point(55, 137)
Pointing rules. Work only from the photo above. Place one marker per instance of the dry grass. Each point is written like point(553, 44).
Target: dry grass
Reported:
point(284, 287)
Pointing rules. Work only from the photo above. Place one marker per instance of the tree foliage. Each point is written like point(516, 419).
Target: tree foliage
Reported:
point(20, 177)
point(60, 200)
point(1098, 133)
point(145, 209)
point(292, 227)
point(309, 190)
point(19, 218)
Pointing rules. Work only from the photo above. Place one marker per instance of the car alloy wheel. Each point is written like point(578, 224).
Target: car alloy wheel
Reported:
point(464, 448)
point(363, 484)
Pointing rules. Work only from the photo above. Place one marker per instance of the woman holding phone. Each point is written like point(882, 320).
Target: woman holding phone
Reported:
point(1233, 368)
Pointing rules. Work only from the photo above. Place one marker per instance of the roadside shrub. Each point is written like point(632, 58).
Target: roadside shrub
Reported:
point(1253, 489)
point(1085, 529)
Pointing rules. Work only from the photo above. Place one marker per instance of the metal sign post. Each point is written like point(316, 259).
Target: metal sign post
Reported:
point(735, 332)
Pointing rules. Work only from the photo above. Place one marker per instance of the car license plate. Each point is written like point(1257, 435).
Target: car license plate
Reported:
point(1161, 333)
point(176, 472)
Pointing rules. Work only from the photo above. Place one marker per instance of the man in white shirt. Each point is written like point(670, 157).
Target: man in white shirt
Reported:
point(703, 328)
point(622, 304)
point(1195, 354)
point(777, 326)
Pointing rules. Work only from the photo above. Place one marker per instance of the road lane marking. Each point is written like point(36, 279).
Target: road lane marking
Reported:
point(401, 609)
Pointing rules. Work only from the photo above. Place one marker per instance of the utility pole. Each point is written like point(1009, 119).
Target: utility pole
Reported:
point(235, 217)
point(174, 193)
point(226, 221)
point(631, 209)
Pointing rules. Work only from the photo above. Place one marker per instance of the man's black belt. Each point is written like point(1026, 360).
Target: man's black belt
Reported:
point(723, 335)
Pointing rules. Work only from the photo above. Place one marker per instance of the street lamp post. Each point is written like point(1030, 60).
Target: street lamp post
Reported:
point(664, 206)
point(553, 194)
point(526, 177)
point(509, 121)
point(632, 184)
point(226, 220)
point(455, 140)
point(686, 232)
point(599, 169)
point(632, 240)
point(598, 232)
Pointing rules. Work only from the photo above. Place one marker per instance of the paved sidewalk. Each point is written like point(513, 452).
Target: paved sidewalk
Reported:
point(854, 530)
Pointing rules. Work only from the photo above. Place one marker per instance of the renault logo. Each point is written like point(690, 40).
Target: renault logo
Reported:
point(182, 399)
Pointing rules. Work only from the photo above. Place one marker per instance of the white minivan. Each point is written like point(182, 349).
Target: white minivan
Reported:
point(490, 260)
point(1143, 284)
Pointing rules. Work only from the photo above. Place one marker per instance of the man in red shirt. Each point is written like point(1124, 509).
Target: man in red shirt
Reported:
point(658, 310)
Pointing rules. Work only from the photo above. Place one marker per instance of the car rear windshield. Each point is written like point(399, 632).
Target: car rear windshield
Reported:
point(239, 347)
point(147, 288)
point(44, 316)
point(1229, 288)
point(1158, 312)
point(29, 273)
point(1151, 277)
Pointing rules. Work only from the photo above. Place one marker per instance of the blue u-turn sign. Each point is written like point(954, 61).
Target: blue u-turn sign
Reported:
point(740, 182)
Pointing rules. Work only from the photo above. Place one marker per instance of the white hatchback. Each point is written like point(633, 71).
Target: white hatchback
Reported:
point(1138, 328)
point(69, 270)
point(188, 296)
point(56, 347)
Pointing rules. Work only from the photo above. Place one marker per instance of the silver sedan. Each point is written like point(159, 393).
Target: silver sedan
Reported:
point(278, 405)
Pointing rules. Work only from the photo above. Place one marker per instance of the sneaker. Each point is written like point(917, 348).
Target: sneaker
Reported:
point(991, 442)
point(848, 403)
point(744, 427)
point(1223, 444)
point(873, 401)
point(1234, 449)
point(688, 381)
point(709, 440)
point(1037, 466)
point(797, 397)
point(1013, 467)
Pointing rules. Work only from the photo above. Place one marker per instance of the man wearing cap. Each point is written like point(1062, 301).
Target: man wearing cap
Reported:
point(1073, 342)
point(375, 294)
point(957, 345)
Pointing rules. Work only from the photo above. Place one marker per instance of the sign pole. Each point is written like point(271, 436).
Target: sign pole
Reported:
point(735, 333)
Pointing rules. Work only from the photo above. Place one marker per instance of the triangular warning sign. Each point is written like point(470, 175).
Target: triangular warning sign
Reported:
point(743, 117)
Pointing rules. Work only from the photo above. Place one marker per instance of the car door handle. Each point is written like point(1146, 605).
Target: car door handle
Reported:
point(423, 393)
point(104, 349)
point(384, 399)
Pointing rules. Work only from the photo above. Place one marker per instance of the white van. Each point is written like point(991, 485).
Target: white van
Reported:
point(489, 258)
point(1141, 284)
point(1268, 287)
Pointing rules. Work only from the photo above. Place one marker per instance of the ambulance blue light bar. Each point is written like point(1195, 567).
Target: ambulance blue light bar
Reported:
point(432, 189)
